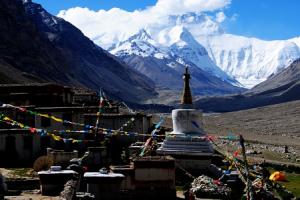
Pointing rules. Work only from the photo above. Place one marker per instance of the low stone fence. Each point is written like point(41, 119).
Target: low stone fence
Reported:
point(61, 157)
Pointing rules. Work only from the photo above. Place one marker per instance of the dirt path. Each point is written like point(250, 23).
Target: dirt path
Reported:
point(25, 196)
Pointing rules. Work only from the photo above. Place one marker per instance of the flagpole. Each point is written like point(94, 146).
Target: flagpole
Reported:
point(249, 191)
point(99, 110)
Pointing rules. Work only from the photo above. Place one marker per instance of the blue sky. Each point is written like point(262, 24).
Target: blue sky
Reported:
point(54, 6)
point(264, 19)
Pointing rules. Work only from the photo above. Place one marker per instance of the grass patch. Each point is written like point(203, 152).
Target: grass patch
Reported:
point(180, 188)
point(22, 172)
point(269, 155)
point(293, 183)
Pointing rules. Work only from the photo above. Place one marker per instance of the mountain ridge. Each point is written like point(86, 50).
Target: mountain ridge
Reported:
point(280, 88)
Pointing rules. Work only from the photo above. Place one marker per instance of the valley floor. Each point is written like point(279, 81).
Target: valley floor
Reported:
point(276, 124)
point(267, 130)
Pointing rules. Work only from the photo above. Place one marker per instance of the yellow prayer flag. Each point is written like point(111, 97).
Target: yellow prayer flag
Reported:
point(55, 137)
point(44, 115)
point(7, 118)
point(56, 119)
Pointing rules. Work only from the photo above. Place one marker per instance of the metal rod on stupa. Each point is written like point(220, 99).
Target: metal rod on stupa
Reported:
point(186, 99)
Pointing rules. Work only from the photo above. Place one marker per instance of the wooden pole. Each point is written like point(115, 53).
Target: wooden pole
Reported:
point(99, 111)
point(249, 184)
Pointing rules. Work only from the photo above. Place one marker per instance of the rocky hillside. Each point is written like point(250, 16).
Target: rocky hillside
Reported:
point(282, 87)
point(38, 47)
point(286, 80)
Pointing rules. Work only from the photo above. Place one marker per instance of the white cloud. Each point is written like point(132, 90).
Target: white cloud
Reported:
point(176, 7)
point(108, 26)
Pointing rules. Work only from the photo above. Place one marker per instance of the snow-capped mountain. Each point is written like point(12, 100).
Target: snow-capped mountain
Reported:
point(139, 51)
point(250, 60)
point(196, 39)
point(176, 47)
point(247, 60)
point(165, 63)
point(140, 44)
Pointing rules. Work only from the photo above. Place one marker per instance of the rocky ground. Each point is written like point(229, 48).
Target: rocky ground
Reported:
point(31, 195)
point(268, 129)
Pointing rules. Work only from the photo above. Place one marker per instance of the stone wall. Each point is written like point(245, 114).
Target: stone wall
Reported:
point(61, 157)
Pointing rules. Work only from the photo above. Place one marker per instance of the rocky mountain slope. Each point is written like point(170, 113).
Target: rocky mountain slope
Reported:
point(36, 46)
point(282, 87)
point(285, 80)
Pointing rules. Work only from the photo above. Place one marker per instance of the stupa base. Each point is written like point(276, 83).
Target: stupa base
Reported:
point(190, 153)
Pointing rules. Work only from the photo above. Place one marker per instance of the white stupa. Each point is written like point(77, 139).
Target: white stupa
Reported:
point(187, 143)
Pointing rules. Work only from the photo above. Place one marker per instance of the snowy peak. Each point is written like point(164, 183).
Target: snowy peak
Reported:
point(184, 46)
point(178, 36)
point(140, 44)
point(141, 35)
point(187, 41)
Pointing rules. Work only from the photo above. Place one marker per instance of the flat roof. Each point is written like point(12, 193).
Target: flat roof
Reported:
point(14, 129)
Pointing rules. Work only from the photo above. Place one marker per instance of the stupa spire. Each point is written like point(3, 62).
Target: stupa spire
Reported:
point(186, 98)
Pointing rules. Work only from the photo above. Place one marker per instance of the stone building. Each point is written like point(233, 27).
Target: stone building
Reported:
point(114, 121)
point(86, 98)
point(38, 94)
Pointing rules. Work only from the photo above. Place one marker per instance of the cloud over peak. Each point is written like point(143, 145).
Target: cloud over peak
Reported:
point(106, 27)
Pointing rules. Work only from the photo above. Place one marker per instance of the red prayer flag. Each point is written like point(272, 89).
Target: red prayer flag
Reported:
point(32, 130)
point(236, 153)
